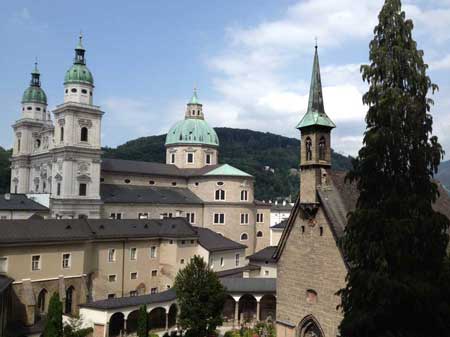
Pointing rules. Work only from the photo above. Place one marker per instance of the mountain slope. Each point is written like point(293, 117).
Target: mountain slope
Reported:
point(248, 150)
point(444, 174)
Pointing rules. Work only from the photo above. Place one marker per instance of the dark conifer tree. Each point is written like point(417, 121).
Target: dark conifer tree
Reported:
point(142, 322)
point(395, 243)
point(54, 324)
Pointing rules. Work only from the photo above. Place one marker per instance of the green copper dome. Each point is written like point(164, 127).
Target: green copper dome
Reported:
point(192, 131)
point(34, 93)
point(79, 73)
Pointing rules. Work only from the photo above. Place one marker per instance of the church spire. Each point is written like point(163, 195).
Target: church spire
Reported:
point(315, 115)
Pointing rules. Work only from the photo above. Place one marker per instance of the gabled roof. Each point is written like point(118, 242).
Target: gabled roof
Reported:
point(227, 170)
point(147, 194)
point(19, 202)
point(213, 241)
point(338, 199)
point(263, 255)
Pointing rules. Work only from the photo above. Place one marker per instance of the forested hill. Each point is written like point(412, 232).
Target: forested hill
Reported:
point(248, 150)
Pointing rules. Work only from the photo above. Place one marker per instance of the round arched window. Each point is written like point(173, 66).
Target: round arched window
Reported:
point(244, 237)
point(259, 234)
point(73, 90)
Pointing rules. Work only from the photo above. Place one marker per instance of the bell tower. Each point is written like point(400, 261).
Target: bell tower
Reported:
point(315, 129)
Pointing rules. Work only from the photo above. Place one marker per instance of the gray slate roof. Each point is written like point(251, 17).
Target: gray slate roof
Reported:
point(132, 301)
point(213, 241)
point(19, 202)
point(264, 255)
point(149, 168)
point(237, 272)
point(52, 230)
point(281, 224)
point(250, 285)
point(147, 194)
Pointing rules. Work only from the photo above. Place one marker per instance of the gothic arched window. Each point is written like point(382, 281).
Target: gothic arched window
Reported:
point(69, 300)
point(84, 134)
point(322, 147)
point(308, 148)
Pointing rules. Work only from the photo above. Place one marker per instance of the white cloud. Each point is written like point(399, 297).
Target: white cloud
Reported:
point(442, 64)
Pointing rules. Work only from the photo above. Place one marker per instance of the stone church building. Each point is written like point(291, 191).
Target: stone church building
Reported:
point(310, 263)
point(62, 158)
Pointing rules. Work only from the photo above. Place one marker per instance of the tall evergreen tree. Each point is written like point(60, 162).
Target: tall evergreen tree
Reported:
point(142, 322)
point(54, 324)
point(201, 298)
point(395, 243)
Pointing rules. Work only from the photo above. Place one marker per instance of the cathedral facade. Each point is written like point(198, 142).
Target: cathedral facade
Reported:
point(61, 157)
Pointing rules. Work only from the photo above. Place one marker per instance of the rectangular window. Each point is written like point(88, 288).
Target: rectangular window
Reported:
point(190, 216)
point(133, 275)
point(259, 217)
point(222, 261)
point(3, 264)
point(190, 158)
point(220, 195)
point(142, 215)
point(219, 218)
point(83, 190)
point(58, 189)
point(3, 217)
point(117, 216)
point(153, 252)
point(36, 262)
point(208, 159)
point(237, 260)
point(112, 278)
point(133, 253)
point(172, 158)
point(244, 218)
point(244, 195)
point(61, 134)
point(111, 255)
point(153, 290)
point(154, 273)
point(66, 260)
point(133, 293)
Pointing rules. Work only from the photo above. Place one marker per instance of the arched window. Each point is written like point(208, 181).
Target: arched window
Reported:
point(311, 296)
point(37, 144)
point(220, 195)
point(69, 300)
point(244, 237)
point(308, 148)
point(322, 146)
point(84, 134)
point(259, 234)
point(42, 299)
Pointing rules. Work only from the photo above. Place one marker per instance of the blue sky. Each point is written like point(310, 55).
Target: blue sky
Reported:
point(251, 60)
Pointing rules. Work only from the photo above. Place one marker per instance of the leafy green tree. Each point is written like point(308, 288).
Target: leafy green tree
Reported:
point(74, 328)
point(54, 324)
point(142, 323)
point(395, 243)
point(5, 170)
point(201, 298)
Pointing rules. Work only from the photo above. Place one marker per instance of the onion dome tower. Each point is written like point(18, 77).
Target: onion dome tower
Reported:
point(192, 143)
point(34, 99)
point(79, 82)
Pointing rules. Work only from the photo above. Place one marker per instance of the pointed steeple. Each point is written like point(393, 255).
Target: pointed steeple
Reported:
point(194, 99)
point(315, 115)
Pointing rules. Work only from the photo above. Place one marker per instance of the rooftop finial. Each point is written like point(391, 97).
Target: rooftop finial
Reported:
point(316, 42)
point(194, 99)
point(80, 41)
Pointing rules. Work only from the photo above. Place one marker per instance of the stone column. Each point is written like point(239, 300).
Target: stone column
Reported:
point(124, 327)
point(107, 329)
point(258, 307)
point(167, 320)
point(236, 310)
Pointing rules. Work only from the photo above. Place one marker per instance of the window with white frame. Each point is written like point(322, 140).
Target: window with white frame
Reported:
point(133, 275)
point(133, 293)
point(66, 260)
point(3, 264)
point(219, 195)
point(36, 262)
point(244, 237)
point(190, 157)
point(190, 216)
point(219, 218)
point(208, 159)
point(112, 278)
point(172, 158)
point(142, 215)
point(259, 217)
point(117, 216)
point(153, 290)
point(244, 195)
point(244, 218)
point(133, 253)
point(153, 252)
point(111, 255)
point(237, 260)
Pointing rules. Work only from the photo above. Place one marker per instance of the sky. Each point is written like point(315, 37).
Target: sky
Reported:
point(251, 61)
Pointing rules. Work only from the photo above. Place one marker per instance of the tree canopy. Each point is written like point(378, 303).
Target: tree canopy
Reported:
point(200, 297)
point(54, 324)
point(395, 243)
